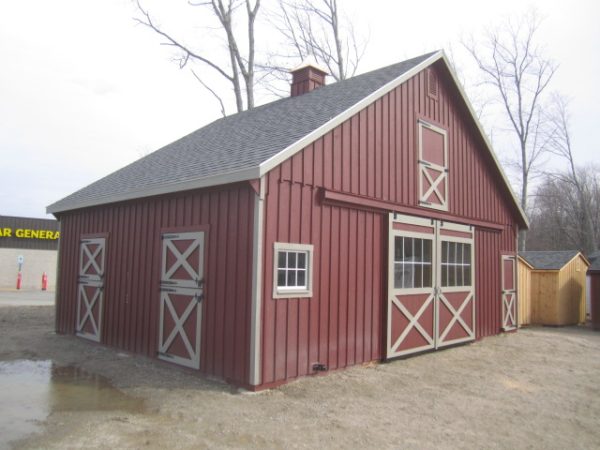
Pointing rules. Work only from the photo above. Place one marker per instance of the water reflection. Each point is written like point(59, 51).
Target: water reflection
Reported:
point(31, 390)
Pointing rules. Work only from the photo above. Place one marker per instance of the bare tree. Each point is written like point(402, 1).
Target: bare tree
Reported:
point(558, 215)
point(560, 144)
point(240, 65)
point(515, 66)
point(315, 28)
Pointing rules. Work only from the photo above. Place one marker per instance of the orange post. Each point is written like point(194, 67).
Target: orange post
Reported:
point(44, 281)
point(19, 279)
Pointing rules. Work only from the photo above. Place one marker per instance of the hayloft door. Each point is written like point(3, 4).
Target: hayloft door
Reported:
point(456, 294)
point(181, 294)
point(90, 288)
point(411, 288)
point(509, 293)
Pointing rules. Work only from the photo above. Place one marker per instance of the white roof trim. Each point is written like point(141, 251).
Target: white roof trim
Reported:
point(274, 161)
point(485, 138)
point(290, 151)
point(215, 180)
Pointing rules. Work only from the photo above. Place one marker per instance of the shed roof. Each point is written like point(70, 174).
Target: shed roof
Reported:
point(548, 260)
point(247, 145)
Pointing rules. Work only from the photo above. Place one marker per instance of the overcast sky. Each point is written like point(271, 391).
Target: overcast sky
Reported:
point(84, 91)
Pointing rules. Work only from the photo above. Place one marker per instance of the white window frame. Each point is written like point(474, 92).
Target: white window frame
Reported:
point(422, 164)
point(293, 292)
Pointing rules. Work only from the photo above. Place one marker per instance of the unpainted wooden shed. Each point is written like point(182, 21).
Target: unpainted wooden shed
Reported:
point(552, 287)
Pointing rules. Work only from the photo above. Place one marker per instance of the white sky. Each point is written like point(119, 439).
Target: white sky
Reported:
point(84, 91)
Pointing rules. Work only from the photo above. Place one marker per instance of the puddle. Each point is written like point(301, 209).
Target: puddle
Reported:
point(32, 390)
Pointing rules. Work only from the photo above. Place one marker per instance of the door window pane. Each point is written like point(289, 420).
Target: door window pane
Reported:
point(412, 262)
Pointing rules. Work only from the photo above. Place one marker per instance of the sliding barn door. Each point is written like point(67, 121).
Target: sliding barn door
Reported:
point(456, 292)
point(431, 296)
point(411, 290)
point(181, 294)
point(90, 288)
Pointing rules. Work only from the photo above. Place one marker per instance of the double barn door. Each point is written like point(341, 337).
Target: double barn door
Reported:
point(431, 295)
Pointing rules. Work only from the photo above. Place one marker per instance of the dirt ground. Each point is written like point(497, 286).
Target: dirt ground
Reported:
point(538, 388)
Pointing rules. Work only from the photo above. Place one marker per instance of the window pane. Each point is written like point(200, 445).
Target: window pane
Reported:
point(451, 276)
point(409, 270)
point(397, 275)
point(427, 276)
point(468, 254)
point(418, 250)
point(444, 275)
point(467, 276)
point(444, 252)
point(291, 260)
point(302, 260)
point(408, 249)
point(452, 252)
point(418, 274)
point(301, 278)
point(427, 251)
point(281, 259)
point(281, 281)
point(398, 248)
point(291, 278)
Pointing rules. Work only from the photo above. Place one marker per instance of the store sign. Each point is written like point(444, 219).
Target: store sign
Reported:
point(27, 233)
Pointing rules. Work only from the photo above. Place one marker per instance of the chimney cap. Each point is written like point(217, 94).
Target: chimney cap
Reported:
point(310, 61)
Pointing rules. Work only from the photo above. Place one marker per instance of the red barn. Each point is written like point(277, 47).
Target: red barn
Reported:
point(359, 221)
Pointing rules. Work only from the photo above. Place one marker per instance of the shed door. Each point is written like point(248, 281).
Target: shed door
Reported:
point(90, 288)
point(456, 293)
point(509, 293)
point(181, 294)
point(411, 290)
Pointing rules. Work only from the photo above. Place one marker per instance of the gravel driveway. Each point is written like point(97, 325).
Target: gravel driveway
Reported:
point(538, 388)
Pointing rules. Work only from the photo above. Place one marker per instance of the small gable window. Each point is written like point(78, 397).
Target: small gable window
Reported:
point(292, 270)
point(433, 166)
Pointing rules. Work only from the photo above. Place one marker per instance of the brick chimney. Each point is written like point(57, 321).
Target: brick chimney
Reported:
point(307, 77)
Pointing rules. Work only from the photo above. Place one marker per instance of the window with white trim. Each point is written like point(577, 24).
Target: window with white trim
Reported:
point(292, 277)
point(433, 166)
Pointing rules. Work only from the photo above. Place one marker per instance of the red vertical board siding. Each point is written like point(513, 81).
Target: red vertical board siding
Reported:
point(133, 257)
point(372, 154)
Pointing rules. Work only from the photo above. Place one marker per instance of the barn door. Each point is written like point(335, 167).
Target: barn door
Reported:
point(90, 288)
point(431, 297)
point(411, 291)
point(509, 293)
point(456, 294)
point(181, 294)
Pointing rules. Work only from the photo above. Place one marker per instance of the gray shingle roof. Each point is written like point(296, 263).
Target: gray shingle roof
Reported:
point(550, 260)
point(595, 266)
point(236, 143)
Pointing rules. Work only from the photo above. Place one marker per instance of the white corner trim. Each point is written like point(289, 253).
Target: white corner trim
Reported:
point(213, 180)
point(256, 312)
point(291, 150)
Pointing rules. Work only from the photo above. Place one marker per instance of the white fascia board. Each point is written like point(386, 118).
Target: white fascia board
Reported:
point(214, 180)
point(297, 146)
point(485, 138)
